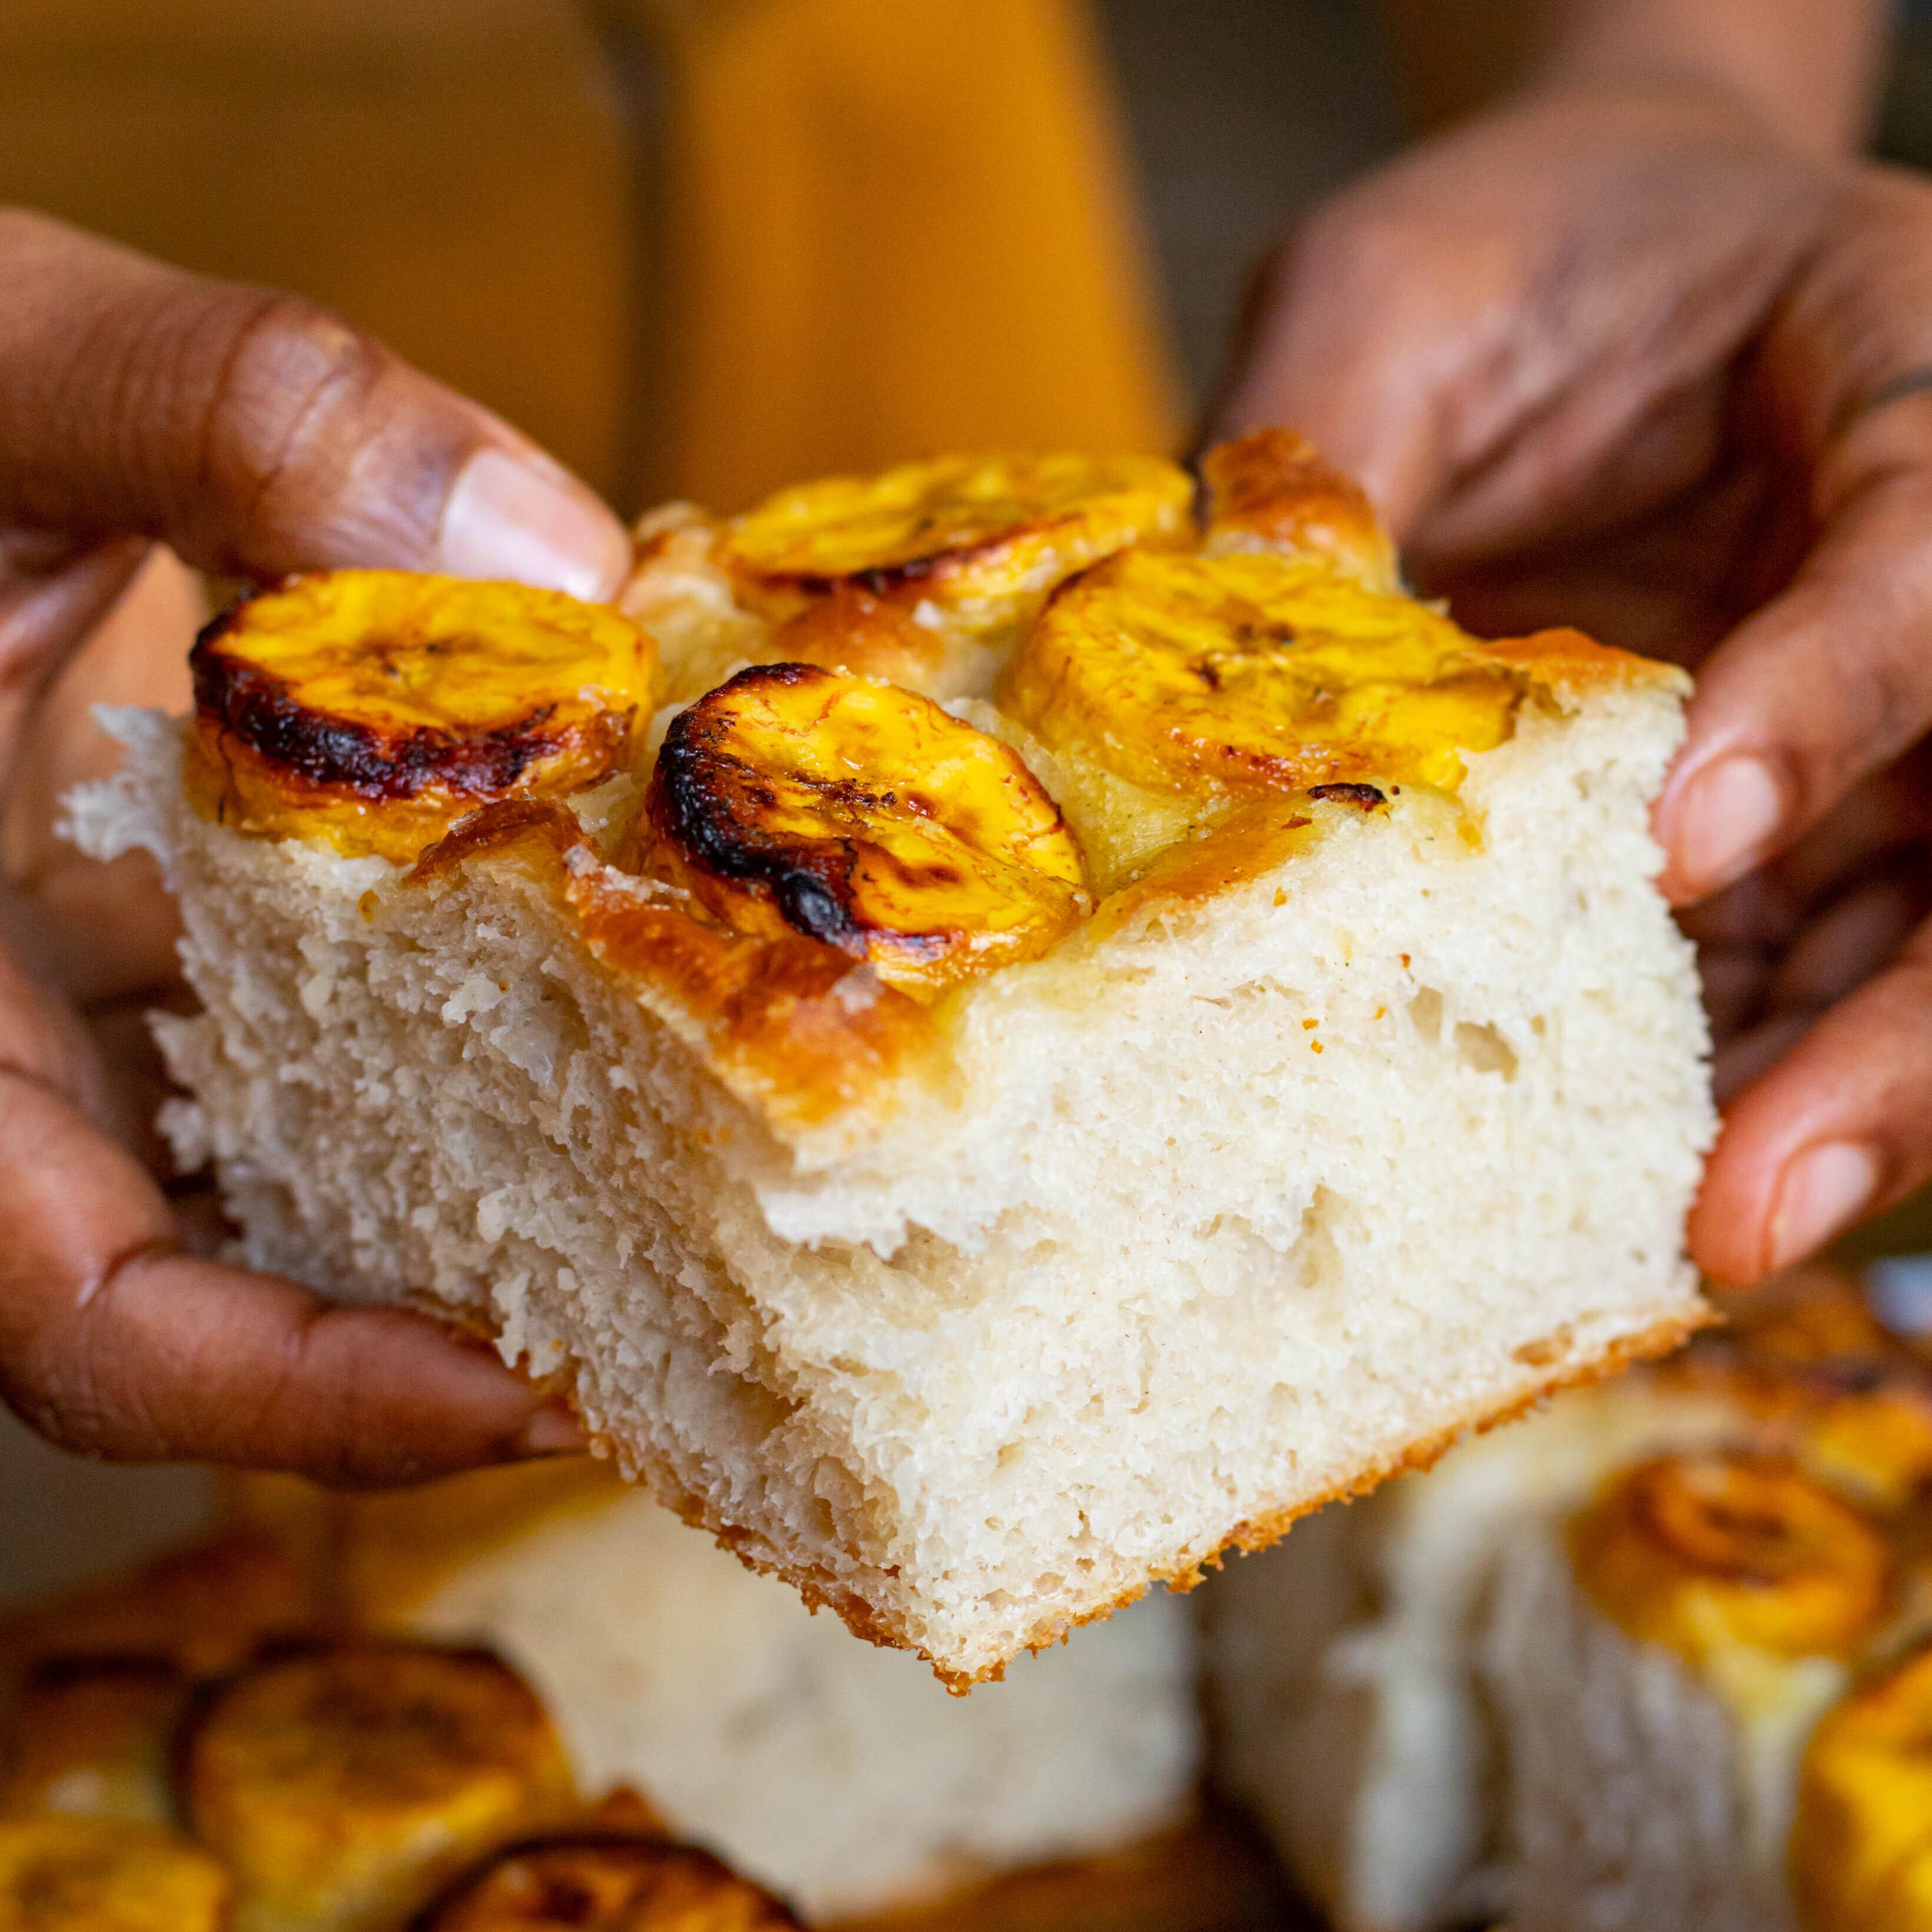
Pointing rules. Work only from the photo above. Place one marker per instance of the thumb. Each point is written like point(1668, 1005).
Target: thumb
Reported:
point(257, 434)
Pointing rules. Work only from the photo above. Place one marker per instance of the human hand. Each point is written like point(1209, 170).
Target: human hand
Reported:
point(255, 435)
point(1617, 356)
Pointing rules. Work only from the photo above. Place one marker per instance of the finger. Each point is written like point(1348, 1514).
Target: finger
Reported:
point(1498, 372)
point(114, 1343)
point(109, 929)
point(1841, 1127)
point(257, 434)
point(1828, 683)
point(1833, 678)
point(51, 597)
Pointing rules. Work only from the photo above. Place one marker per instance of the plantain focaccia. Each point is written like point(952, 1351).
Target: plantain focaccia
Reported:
point(1082, 1029)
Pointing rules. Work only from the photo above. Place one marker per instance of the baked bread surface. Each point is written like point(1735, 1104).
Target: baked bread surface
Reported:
point(1352, 1097)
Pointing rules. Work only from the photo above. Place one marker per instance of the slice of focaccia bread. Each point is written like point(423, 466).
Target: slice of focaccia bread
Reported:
point(1202, 1037)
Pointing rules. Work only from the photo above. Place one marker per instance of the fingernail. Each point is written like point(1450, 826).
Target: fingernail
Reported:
point(554, 1432)
point(510, 518)
point(1824, 1190)
point(1728, 812)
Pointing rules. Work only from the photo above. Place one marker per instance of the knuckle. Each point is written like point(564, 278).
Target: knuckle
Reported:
point(291, 375)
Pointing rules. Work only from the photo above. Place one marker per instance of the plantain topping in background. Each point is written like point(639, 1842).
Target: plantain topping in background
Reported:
point(1700, 1552)
point(74, 1874)
point(796, 800)
point(1861, 1836)
point(371, 708)
point(342, 1784)
point(604, 1882)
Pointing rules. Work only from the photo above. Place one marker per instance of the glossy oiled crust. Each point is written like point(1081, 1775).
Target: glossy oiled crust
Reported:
point(789, 1025)
point(790, 1012)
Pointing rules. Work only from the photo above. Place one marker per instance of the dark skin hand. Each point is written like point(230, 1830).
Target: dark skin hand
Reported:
point(1622, 355)
point(255, 436)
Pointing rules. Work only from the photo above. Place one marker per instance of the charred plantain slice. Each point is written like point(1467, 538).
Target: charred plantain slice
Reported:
point(1184, 673)
point(67, 1874)
point(605, 1882)
point(370, 707)
point(1272, 490)
point(1861, 1833)
point(984, 536)
point(796, 800)
point(344, 1785)
point(1698, 1552)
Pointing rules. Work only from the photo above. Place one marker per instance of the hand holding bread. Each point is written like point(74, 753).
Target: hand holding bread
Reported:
point(253, 434)
point(1620, 354)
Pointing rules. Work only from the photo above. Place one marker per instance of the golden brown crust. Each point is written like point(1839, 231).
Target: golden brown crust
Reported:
point(856, 630)
point(1255, 841)
point(1566, 660)
point(600, 1880)
point(1274, 488)
point(790, 1023)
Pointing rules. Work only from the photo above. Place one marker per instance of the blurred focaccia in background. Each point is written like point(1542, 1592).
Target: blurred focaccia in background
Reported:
point(980, 1156)
point(214, 1760)
point(1573, 1674)
point(249, 1726)
point(837, 1773)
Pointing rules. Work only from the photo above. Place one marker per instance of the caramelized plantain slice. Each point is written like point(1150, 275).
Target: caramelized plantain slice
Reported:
point(63, 1874)
point(1254, 669)
point(605, 1882)
point(369, 708)
point(1272, 491)
point(1861, 1833)
point(342, 1786)
point(1698, 1552)
point(796, 800)
point(984, 536)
